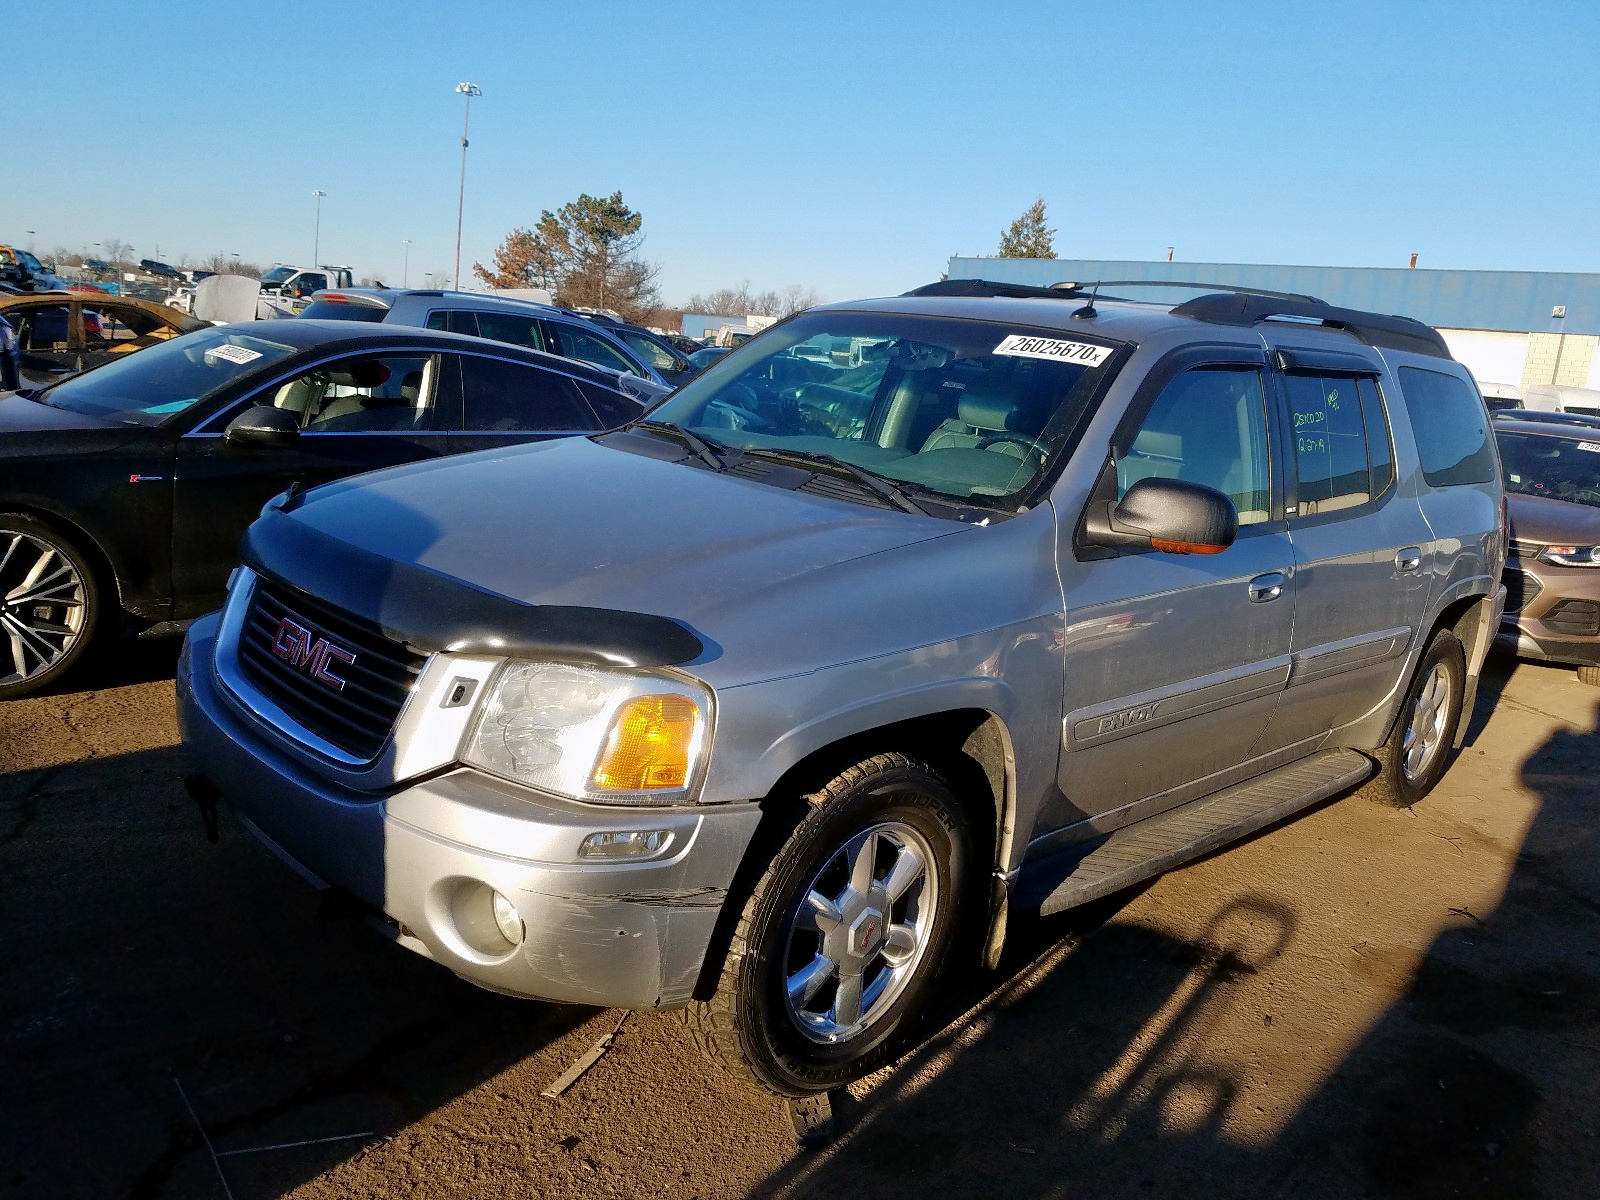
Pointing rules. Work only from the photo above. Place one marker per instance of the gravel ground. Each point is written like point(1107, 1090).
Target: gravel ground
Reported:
point(1360, 1002)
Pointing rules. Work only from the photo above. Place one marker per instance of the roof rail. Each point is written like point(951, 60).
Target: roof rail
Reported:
point(1076, 290)
point(1247, 308)
point(988, 287)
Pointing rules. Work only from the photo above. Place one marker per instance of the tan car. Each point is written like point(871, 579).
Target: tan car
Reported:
point(1552, 478)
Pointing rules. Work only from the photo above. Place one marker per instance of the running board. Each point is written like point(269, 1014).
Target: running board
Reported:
point(1158, 844)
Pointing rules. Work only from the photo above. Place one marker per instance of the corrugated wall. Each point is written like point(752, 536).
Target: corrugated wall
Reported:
point(1519, 301)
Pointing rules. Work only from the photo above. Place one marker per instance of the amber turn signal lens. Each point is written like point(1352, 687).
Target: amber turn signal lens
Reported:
point(649, 746)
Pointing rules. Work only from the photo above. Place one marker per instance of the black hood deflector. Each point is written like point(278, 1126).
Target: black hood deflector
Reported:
point(429, 612)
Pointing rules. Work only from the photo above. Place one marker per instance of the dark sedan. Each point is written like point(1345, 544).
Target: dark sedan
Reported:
point(126, 489)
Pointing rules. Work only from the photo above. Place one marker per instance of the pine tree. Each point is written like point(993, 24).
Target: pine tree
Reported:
point(1027, 237)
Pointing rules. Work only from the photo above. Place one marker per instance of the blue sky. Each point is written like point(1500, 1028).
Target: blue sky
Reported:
point(848, 147)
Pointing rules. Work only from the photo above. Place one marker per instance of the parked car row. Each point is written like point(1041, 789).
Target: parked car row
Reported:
point(751, 695)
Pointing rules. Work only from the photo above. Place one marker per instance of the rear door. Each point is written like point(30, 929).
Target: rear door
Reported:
point(358, 412)
point(1174, 663)
point(1362, 547)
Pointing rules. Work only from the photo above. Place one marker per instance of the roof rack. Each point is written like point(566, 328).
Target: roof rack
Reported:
point(1228, 305)
point(1239, 307)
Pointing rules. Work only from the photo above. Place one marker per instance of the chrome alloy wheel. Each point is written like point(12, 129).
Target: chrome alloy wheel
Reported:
point(42, 606)
point(1426, 734)
point(860, 932)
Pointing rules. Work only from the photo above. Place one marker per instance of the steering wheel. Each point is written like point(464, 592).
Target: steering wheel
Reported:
point(1021, 439)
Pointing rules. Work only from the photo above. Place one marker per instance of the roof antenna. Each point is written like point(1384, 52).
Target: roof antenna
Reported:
point(1088, 310)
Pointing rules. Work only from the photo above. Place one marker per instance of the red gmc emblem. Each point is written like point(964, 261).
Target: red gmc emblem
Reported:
point(296, 645)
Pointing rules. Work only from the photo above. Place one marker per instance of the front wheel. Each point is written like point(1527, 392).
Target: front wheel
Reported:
point(1414, 758)
point(49, 605)
point(839, 948)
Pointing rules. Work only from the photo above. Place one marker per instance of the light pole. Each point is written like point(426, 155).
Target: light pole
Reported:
point(406, 271)
point(316, 244)
point(469, 90)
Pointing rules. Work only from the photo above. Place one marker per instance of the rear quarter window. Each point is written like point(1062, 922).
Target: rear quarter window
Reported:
point(1451, 426)
point(321, 310)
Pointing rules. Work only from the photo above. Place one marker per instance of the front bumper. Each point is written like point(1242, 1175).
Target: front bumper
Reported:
point(629, 933)
point(1578, 652)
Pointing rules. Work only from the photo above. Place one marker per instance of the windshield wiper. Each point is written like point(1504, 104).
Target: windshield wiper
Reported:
point(701, 448)
point(876, 484)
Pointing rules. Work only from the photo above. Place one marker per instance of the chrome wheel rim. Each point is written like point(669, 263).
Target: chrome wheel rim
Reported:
point(1425, 733)
point(860, 932)
point(42, 606)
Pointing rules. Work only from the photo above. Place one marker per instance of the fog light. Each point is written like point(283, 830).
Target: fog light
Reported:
point(625, 843)
point(507, 921)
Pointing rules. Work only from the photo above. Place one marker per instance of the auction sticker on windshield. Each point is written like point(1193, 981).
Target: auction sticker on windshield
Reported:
point(1591, 447)
point(1055, 349)
point(234, 354)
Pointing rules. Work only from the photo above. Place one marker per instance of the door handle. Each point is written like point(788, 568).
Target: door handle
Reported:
point(1266, 587)
point(1408, 559)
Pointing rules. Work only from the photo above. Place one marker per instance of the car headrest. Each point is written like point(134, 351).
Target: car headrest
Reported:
point(368, 373)
point(985, 408)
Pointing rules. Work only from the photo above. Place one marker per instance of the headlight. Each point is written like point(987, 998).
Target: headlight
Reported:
point(1571, 556)
point(592, 734)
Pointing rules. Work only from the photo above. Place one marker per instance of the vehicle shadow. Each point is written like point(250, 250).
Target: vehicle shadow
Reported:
point(153, 983)
point(1099, 1068)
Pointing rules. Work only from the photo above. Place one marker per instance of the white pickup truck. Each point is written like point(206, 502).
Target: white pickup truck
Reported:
point(285, 289)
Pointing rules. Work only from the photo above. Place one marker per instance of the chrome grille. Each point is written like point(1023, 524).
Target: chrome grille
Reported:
point(356, 717)
point(1521, 588)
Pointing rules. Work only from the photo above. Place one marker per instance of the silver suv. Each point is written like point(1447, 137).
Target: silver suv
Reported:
point(909, 612)
point(508, 319)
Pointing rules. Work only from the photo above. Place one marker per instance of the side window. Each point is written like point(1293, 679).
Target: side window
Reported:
point(508, 327)
point(1209, 426)
point(1379, 449)
point(438, 320)
point(612, 408)
point(454, 321)
point(382, 393)
point(1452, 428)
point(506, 397)
point(1330, 442)
point(589, 347)
point(650, 352)
point(42, 328)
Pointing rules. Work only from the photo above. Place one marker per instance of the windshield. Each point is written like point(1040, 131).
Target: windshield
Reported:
point(276, 275)
point(1558, 467)
point(155, 384)
point(29, 261)
point(963, 409)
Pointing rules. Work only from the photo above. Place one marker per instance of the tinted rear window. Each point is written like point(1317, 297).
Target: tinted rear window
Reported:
point(1452, 428)
point(321, 310)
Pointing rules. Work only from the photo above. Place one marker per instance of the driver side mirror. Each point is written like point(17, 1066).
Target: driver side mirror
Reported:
point(1170, 515)
point(262, 425)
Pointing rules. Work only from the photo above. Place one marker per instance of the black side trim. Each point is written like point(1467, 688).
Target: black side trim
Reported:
point(1396, 333)
point(426, 611)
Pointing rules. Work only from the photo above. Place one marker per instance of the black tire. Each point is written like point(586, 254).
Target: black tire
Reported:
point(1407, 773)
point(750, 1026)
point(1589, 675)
point(49, 605)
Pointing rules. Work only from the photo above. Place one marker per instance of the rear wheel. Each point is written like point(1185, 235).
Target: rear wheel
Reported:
point(1414, 758)
point(49, 605)
point(839, 948)
point(1589, 675)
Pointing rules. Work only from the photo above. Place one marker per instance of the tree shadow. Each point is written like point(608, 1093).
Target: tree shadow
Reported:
point(1095, 1070)
point(138, 960)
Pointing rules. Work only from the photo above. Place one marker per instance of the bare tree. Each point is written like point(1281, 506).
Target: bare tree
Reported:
point(115, 251)
point(741, 301)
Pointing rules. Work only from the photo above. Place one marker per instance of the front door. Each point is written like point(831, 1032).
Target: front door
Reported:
point(1174, 663)
point(357, 413)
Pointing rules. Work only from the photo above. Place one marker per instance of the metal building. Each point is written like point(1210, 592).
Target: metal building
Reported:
point(1515, 328)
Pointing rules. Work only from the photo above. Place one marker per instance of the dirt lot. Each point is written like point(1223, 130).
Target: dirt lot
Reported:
point(1361, 1002)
